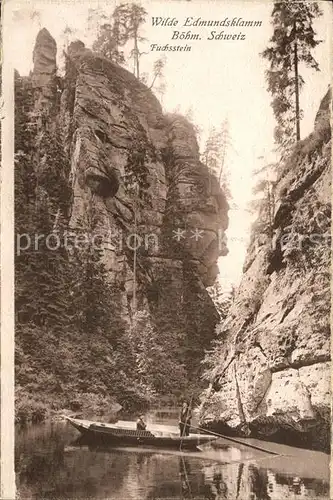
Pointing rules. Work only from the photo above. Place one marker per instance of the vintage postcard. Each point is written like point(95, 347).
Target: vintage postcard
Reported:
point(165, 249)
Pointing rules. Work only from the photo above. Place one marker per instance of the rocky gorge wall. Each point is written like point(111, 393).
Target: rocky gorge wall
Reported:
point(135, 181)
point(273, 372)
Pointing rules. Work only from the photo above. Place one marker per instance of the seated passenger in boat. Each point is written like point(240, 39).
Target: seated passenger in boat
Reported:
point(141, 424)
point(185, 419)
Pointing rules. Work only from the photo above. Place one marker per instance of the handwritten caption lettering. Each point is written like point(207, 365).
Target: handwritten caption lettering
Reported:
point(234, 29)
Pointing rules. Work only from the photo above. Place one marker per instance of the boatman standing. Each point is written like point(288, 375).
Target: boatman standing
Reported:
point(141, 424)
point(185, 419)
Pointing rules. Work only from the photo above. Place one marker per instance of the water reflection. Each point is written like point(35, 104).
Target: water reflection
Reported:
point(51, 463)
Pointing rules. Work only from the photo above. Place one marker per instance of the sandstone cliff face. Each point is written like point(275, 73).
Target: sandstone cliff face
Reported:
point(136, 172)
point(274, 368)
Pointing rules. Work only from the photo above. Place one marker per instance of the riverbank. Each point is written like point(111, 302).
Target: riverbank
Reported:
point(35, 410)
point(41, 407)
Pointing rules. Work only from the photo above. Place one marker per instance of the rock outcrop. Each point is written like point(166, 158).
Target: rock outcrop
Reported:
point(274, 369)
point(136, 174)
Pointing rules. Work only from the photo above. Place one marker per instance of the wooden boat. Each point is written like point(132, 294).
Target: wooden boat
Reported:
point(119, 435)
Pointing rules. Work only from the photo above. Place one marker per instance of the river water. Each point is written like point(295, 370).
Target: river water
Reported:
point(50, 465)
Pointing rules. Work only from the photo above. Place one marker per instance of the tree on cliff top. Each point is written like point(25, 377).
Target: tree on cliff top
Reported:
point(109, 39)
point(292, 44)
point(116, 31)
point(128, 18)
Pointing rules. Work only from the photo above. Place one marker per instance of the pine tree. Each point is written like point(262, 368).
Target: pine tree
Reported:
point(116, 31)
point(108, 42)
point(264, 203)
point(67, 35)
point(222, 298)
point(128, 19)
point(189, 115)
point(291, 45)
point(215, 153)
point(158, 68)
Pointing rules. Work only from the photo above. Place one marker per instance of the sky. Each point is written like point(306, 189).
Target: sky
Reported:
point(217, 79)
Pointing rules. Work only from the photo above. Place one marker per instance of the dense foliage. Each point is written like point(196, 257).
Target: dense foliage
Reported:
point(72, 346)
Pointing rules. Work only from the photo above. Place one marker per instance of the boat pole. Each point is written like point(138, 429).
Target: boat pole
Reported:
point(186, 476)
point(234, 440)
point(182, 436)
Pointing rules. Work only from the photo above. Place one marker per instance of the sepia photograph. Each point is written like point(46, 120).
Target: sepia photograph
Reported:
point(166, 249)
